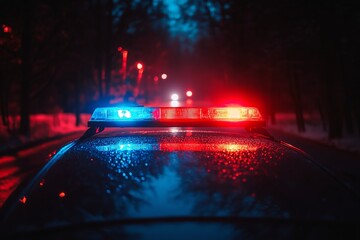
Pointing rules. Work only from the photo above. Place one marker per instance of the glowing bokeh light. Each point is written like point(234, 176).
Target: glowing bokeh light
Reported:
point(6, 29)
point(174, 97)
point(139, 66)
point(175, 103)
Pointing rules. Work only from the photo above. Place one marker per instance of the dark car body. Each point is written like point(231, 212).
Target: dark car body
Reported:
point(184, 183)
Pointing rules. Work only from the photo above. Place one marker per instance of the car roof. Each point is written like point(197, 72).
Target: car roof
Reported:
point(140, 174)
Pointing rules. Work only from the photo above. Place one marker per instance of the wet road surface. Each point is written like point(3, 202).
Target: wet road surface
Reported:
point(25, 163)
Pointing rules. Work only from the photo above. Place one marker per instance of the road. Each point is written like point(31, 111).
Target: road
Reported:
point(338, 163)
point(25, 163)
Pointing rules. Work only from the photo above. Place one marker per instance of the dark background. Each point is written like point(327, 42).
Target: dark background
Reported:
point(281, 55)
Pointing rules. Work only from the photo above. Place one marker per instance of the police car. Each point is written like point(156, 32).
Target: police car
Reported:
point(180, 173)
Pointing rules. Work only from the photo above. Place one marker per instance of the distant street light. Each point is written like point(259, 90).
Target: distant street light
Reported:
point(174, 97)
point(163, 76)
point(189, 93)
point(139, 66)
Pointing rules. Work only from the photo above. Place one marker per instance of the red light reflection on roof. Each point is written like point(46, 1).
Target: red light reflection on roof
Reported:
point(42, 182)
point(23, 199)
point(6, 29)
point(205, 147)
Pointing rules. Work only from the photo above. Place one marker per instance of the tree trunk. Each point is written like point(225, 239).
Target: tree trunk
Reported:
point(273, 100)
point(26, 71)
point(77, 99)
point(98, 56)
point(330, 44)
point(108, 48)
point(321, 111)
point(4, 107)
point(334, 114)
point(296, 96)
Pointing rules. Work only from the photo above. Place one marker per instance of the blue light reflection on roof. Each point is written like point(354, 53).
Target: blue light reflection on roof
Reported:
point(128, 147)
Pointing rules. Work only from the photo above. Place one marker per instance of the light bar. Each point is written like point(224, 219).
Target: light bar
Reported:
point(175, 117)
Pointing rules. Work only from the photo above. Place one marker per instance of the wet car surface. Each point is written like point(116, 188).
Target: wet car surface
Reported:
point(176, 183)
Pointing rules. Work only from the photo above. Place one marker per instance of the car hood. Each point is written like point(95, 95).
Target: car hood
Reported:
point(181, 175)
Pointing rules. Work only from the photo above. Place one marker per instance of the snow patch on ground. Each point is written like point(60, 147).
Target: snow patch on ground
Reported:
point(314, 130)
point(42, 126)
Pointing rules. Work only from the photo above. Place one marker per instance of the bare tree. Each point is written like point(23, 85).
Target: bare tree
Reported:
point(26, 44)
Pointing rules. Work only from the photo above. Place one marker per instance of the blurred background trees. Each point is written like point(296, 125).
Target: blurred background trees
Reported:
point(62, 55)
point(299, 56)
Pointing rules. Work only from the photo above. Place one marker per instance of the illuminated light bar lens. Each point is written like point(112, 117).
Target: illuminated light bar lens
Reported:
point(211, 114)
point(180, 113)
point(124, 114)
point(159, 116)
point(232, 114)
